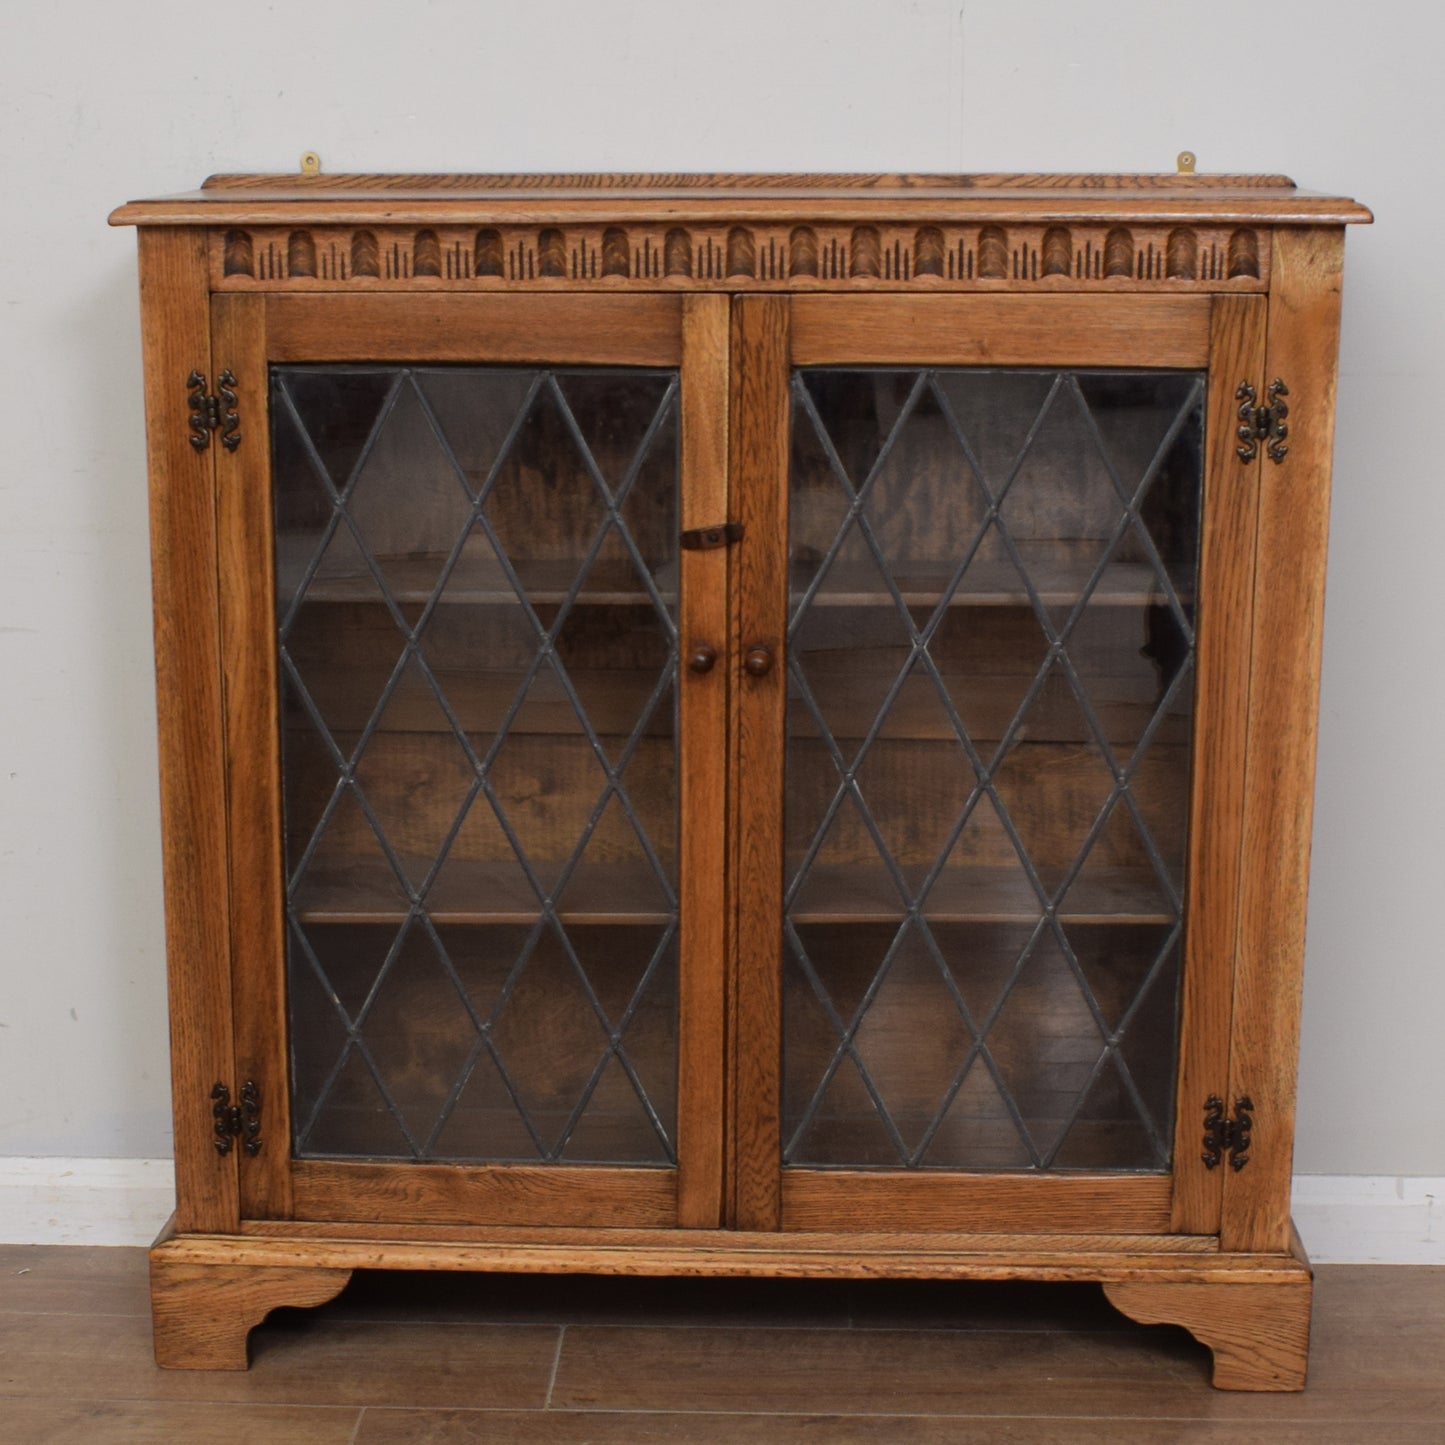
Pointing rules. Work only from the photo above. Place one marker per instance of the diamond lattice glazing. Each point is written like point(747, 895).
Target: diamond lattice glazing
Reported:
point(477, 646)
point(991, 650)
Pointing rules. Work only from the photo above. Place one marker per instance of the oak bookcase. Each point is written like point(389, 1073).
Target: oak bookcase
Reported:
point(755, 725)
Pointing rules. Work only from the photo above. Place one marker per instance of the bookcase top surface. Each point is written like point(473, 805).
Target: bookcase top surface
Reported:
point(379, 199)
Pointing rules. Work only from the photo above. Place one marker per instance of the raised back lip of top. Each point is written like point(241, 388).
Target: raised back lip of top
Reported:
point(401, 197)
point(769, 182)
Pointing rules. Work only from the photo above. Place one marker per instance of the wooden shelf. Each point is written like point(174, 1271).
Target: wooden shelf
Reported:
point(857, 894)
point(986, 584)
point(477, 893)
point(612, 697)
point(987, 704)
point(476, 580)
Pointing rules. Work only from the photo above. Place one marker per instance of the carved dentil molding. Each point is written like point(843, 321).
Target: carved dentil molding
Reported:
point(721, 256)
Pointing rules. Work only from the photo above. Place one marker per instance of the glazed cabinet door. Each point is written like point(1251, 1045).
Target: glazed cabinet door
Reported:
point(999, 562)
point(475, 695)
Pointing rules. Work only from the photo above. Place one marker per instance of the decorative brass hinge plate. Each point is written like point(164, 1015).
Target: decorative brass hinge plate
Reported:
point(237, 1121)
point(213, 413)
point(700, 539)
point(1227, 1136)
point(1262, 423)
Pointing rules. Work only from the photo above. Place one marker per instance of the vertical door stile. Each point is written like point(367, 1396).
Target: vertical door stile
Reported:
point(758, 464)
point(1225, 611)
point(176, 340)
point(253, 775)
point(703, 691)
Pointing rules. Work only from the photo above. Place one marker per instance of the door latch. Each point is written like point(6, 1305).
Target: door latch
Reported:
point(701, 539)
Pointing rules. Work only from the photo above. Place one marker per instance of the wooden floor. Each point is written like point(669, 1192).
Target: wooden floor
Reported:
point(448, 1359)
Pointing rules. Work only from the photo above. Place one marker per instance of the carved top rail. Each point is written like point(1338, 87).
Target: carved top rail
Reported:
point(849, 232)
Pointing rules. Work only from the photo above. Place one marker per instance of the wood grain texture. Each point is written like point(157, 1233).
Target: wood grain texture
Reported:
point(1058, 251)
point(602, 1196)
point(300, 254)
point(1119, 252)
point(865, 252)
point(1225, 613)
point(1304, 312)
point(552, 252)
point(703, 729)
point(1259, 1333)
point(253, 765)
point(82, 1421)
point(202, 1313)
point(758, 467)
point(365, 255)
point(532, 330)
point(993, 255)
point(1000, 331)
point(854, 199)
point(175, 338)
point(237, 255)
point(1181, 255)
point(842, 1199)
point(426, 254)
point(747, 180)
point(837, 1254)
point(488, 259)
point(784, 254)
point(1244, 253)
point(928, 252)
point(994, 1244)
point(677, 252)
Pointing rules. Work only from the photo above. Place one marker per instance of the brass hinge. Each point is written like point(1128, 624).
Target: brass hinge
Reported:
point(1262, 423)
point(213, 413)
point(237, 1121)
point(700, 539)
point(1227, 1136)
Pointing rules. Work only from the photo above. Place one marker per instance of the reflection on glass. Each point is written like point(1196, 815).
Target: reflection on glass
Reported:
point(990, 686)
point(476, 602)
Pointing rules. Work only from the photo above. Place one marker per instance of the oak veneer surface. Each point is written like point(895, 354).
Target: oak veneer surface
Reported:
point(568, 1359)
point(385, 198)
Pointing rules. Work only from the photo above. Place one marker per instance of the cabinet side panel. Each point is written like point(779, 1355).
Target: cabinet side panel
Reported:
point(175, 334)
point(1226, 612)
point(759, 470)
point(1304, 312)
point(248, 649)
point(704, 721)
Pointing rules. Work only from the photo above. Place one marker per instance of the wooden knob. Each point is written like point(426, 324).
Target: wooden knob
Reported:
point(702, 657)
point(759, 660)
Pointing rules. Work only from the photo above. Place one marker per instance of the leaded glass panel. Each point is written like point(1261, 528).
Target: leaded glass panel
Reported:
point(991, 647)
point(476, 601)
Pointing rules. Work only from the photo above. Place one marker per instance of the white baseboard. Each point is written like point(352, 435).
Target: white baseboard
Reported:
point(1342, 1218)
point(1371, 1218)
point(84, 1201)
